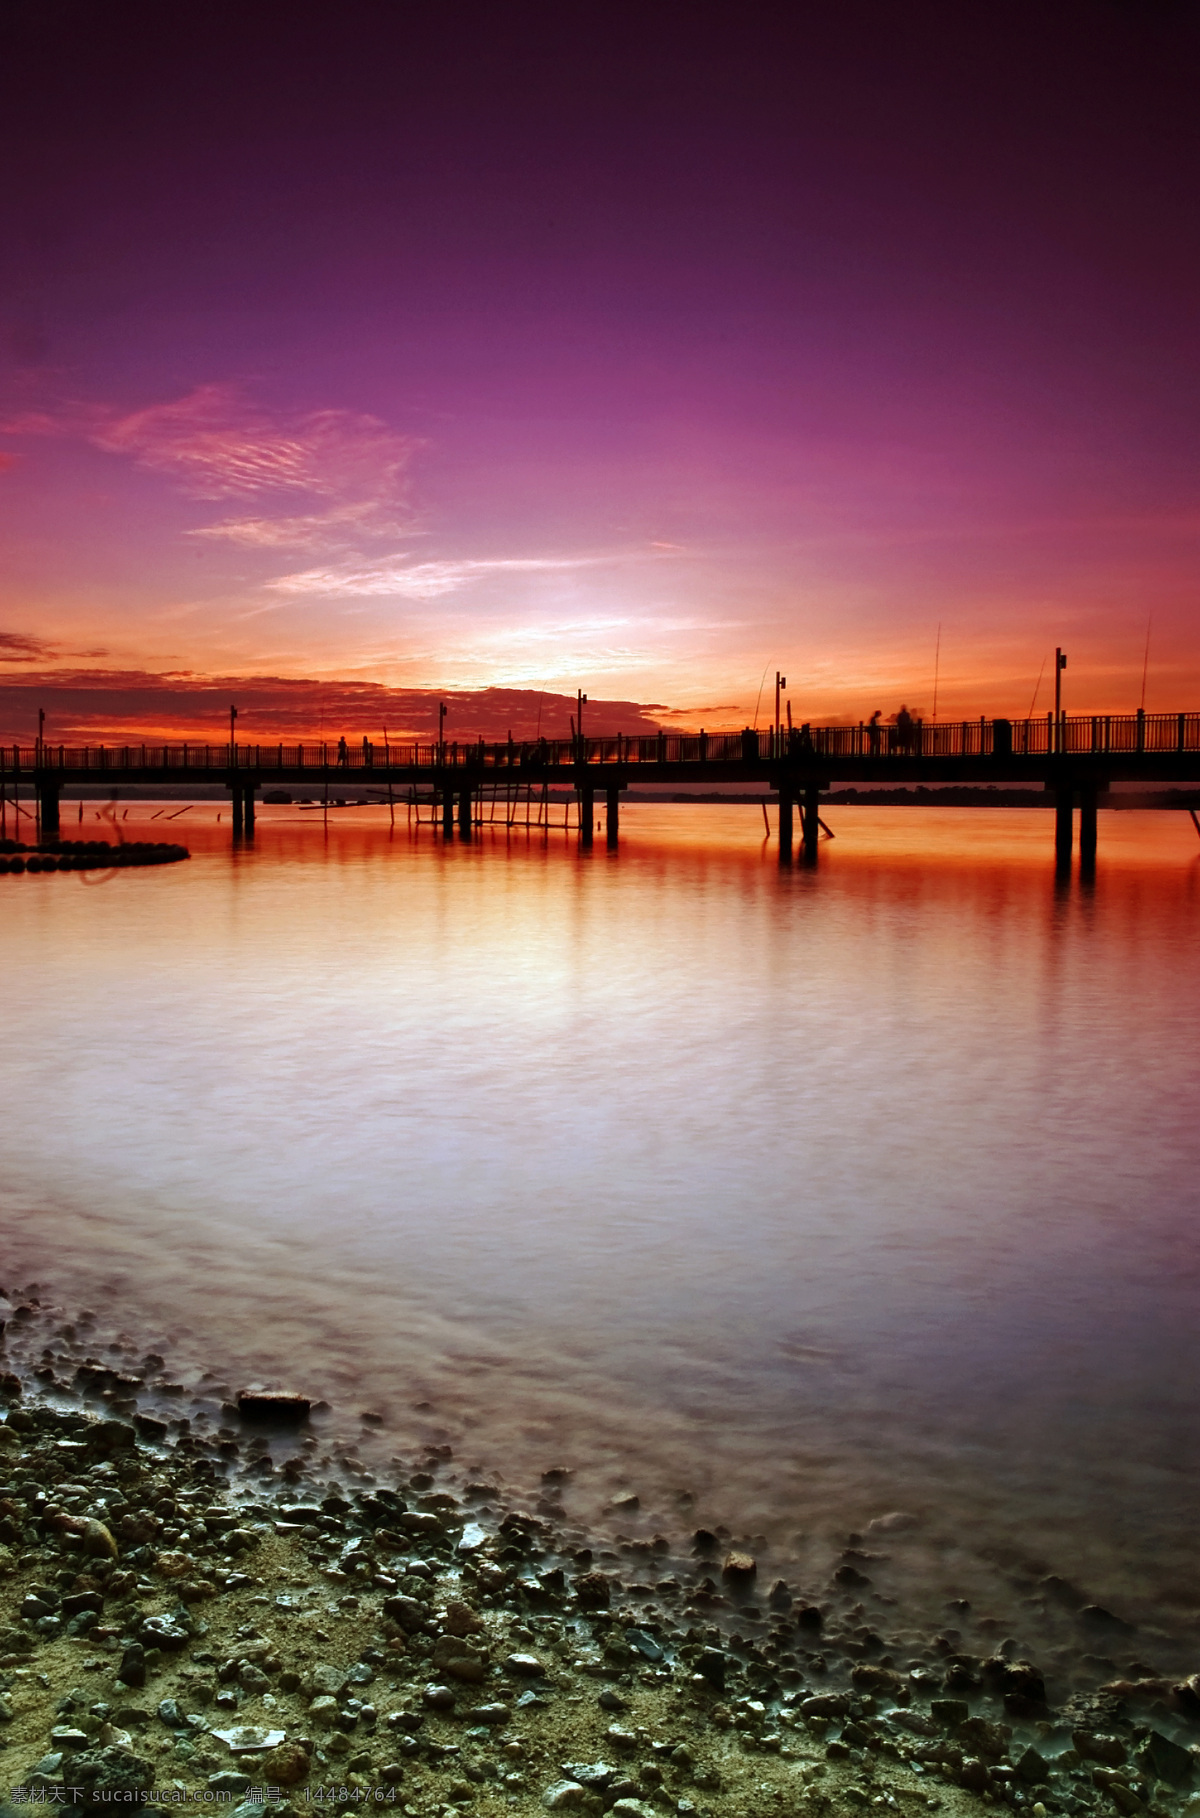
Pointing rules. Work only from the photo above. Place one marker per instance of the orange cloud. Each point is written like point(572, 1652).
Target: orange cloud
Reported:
point(132, 706)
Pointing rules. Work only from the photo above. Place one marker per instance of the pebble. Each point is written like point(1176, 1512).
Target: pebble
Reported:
point(285, 1765)
point(645, 1644)
point(897, 1521)
point(703, 1708)
point(491, 1714)
point(327, 1679)
point(563, 1796)
point(740, 1567)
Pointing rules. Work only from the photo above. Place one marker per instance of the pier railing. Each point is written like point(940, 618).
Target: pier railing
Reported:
point(1077, 735)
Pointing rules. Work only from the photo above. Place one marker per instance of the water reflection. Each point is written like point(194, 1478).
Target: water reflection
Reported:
point(809, 1193)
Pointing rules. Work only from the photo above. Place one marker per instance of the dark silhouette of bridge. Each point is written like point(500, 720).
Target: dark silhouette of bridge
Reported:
point(1077, 758)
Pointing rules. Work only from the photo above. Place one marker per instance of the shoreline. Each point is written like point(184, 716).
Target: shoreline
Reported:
point(435, 1645)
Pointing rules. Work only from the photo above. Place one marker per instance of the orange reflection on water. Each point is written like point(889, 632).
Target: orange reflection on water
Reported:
point(813, 1193)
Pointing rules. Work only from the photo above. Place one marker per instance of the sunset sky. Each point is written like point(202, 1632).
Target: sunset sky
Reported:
point(633, 348)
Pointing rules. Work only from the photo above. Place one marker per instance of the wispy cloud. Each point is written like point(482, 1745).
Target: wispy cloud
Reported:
point(18, 647)
point(422, 580)
point(218, 447)
point(335, 528)
point(320, 480)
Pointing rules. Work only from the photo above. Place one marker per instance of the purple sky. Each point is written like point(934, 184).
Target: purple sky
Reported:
point(638, 349)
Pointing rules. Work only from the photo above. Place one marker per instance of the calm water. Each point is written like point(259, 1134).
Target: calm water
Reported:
point(814, 1197)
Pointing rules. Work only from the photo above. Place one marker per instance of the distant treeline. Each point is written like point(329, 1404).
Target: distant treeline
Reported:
point(965, 796)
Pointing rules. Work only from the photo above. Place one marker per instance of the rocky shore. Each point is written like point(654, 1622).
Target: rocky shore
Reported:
point(198, 1615)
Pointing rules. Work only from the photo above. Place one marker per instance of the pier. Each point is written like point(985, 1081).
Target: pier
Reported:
point(1076, 759)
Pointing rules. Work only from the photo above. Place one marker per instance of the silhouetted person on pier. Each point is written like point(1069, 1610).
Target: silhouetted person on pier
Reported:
point(749, 744)
point(905, 728)
point(873, 732)
point(367, 758)
point(343, 752)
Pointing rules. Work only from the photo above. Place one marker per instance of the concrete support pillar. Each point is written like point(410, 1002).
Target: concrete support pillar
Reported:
point(448, 811)
point(238, 815)
point(785, 825)
point(587, 814)
point(812, 822)
point(612, 816)
point(1064, 827)
point(1087, 831)
point(47, 794)
point(248, 815)
point(464, 813)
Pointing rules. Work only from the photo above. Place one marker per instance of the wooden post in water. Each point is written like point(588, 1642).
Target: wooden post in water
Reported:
point(785, 825)
point(1087, 830)
point(1064, 828)
point(812, 821)
point(612, 817)
point(587, 814)
point(48, 808)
